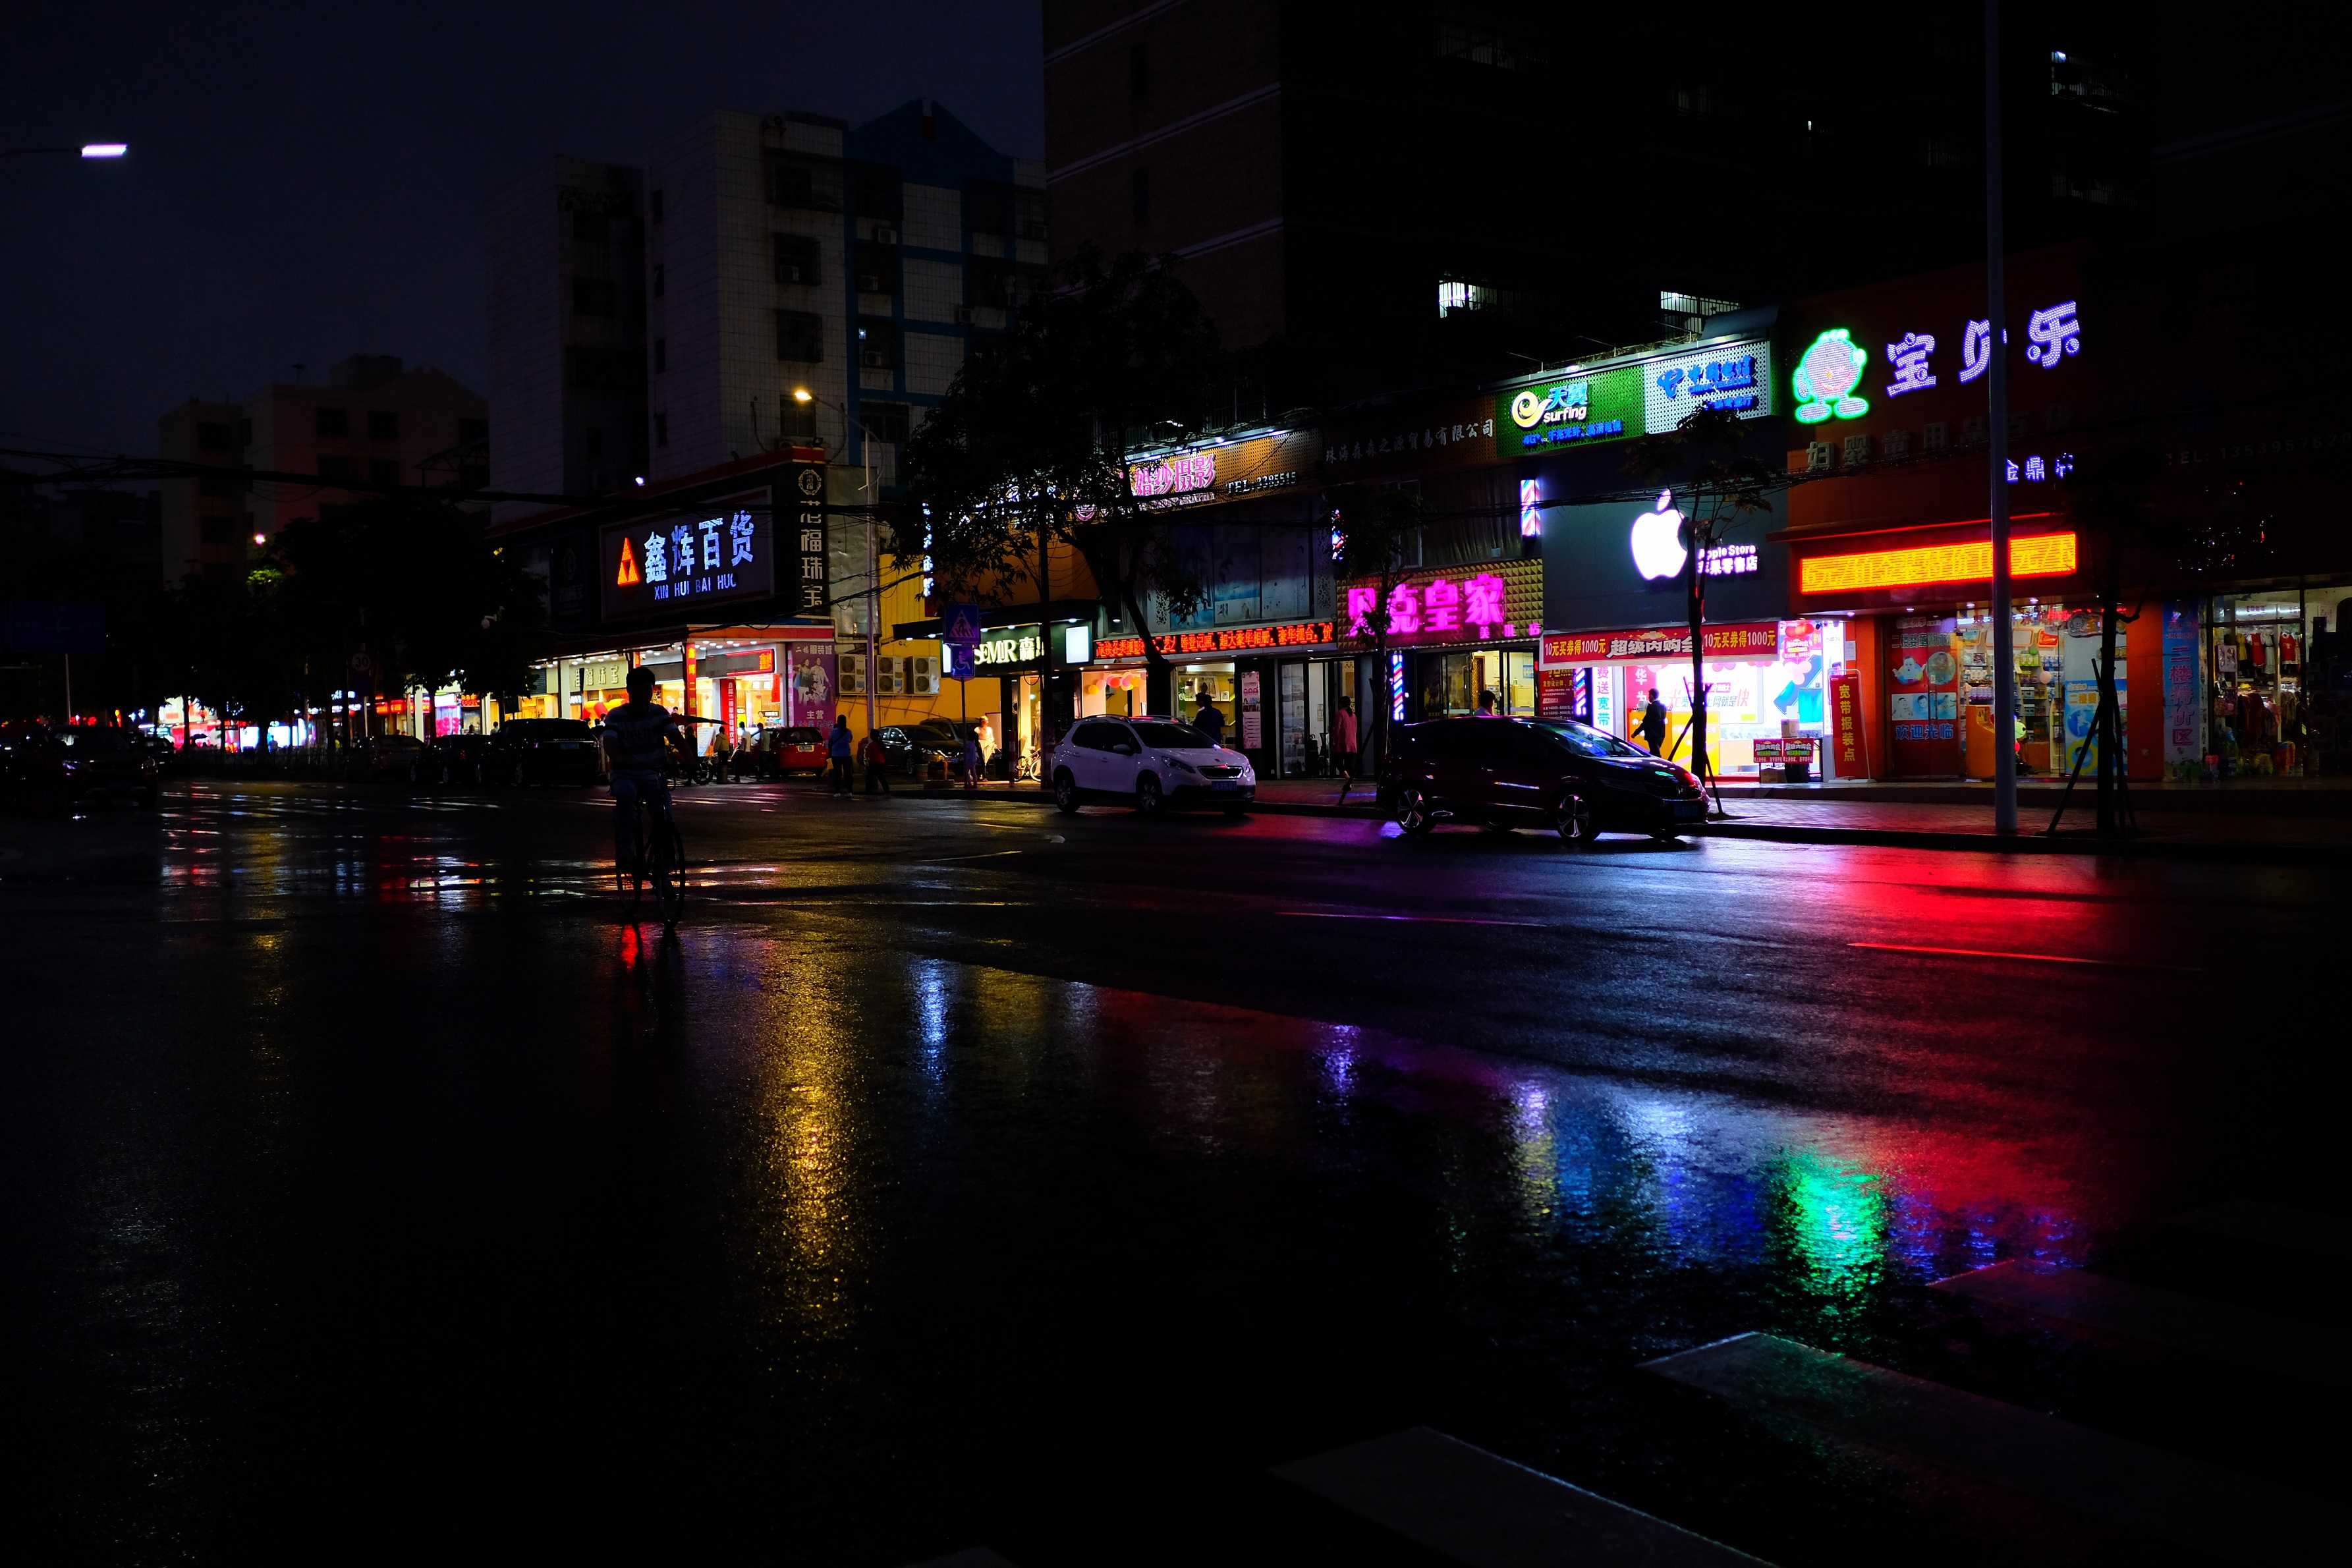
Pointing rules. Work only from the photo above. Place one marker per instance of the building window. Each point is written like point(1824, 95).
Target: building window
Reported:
point(382, 471)
point(587, 367)
point(1139, 73)
point(1689, 99)
point(383, 425)
point(878, 268)
point(661, 355)
point(877, 194)
point(661, 279)
point(1474, 33)
point(245, 432)
point(472, 430)
point(800, 183)
point(338, 470)
point(887, 421)
point(212, 437)
point(657, 206)
point(335, 421)
point(661, 429)
point(591, 229)
point(1141, 184)
point(591, 297)
point(1678, 304)
point(800, 336)
point(799, 258)
point(1456, 297)
point(215, 530)
point(877, 345)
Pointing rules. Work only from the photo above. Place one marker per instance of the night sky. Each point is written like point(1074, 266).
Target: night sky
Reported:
point(306, 182)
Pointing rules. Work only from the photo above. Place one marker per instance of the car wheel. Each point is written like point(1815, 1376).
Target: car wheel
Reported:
point(1667, 835)
point(1412, 810)
point(1574, 820)
point(1065, 794)
point(1148, 801)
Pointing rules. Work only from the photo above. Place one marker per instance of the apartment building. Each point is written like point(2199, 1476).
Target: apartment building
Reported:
point(376, 423)
point(1390, 194)
point(791, 253)
point(567, 330)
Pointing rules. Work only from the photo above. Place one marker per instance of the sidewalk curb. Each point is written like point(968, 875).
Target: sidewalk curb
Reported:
point(2038, 844)
point(1366, 813)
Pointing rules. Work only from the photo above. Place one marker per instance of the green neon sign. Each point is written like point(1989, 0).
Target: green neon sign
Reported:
point(1826, 376)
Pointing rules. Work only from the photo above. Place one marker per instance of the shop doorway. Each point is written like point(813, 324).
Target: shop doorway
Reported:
point(1213, 682)
point(1452, 683)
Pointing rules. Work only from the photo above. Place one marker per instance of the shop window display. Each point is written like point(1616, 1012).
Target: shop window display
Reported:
point(2272, 711)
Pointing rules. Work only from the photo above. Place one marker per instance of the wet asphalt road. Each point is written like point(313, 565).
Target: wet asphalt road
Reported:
point(964, 1173)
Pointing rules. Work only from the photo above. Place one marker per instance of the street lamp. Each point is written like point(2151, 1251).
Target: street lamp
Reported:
point(803, 395)
point(89, 152)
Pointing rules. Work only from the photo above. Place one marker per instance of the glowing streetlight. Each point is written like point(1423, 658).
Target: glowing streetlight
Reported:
point(106, 150)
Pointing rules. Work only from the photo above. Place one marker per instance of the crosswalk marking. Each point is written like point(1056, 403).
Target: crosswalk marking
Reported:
point(2272, 1225)
point(2239, 1335)
point(1489, 1512)
point(2182, 1502)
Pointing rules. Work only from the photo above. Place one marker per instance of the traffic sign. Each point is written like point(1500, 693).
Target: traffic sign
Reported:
point(960, 627)
point(961, 661)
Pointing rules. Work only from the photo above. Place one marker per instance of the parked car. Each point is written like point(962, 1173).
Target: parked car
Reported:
point(1549, 773)
point(1151, 764)
point(543, 752)
point(379, 759)
point(911, 748)
point(780, 752)
point(460, 759)
point(85, 763)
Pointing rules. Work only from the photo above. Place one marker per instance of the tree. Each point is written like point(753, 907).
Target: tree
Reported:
point(1377, 529)
point(1031, 446)
point(2110, 502)
point(1726, 487)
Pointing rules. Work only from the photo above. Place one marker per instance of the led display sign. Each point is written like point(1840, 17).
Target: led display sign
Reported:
point(2042, 555)
point(1596, 405)
point(1238, 639)
point(1736, 377)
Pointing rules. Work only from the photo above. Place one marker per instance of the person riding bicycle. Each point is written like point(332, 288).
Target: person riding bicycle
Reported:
point(639, 737)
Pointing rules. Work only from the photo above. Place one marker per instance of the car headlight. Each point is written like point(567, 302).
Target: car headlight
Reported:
point(1179, 765)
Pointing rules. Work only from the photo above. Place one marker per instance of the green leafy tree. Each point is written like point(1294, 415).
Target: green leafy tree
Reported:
point(1031, 444)
point(1719, 487)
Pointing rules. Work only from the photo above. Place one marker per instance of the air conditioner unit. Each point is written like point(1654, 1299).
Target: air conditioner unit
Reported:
point(853, 674)
point(889, 679)
point(967, 314)
point(922, 678)
point(884, 235)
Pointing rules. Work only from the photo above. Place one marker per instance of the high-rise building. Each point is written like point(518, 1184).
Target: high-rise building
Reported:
point(1400, 193)
point(567, 319)
point(790, 253)
point(376, 423)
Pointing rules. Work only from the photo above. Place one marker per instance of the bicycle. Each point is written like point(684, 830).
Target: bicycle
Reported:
point(659, 854)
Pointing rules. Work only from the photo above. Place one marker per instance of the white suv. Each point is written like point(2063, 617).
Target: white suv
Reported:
point(1151, 765)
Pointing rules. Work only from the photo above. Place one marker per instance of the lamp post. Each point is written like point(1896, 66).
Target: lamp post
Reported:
point(89, 151)
point(2004, 654)
point(801, 394)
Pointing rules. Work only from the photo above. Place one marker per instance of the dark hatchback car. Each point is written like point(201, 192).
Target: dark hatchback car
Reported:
point(1549, 773)
point(544, 751)
point(911, 748)
point(85, 763)
point(382, 759)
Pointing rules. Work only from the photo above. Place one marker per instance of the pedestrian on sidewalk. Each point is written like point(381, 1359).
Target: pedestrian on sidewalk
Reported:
point(1209, 719)
point(836, 753)
point(971, 760)
point(878, 763)
point(1653, 724)
point(1343, 746)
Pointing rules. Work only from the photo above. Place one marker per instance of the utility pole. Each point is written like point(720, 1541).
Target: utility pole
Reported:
point(2004, 653)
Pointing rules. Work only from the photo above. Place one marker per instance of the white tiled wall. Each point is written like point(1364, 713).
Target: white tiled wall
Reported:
point(933, 217)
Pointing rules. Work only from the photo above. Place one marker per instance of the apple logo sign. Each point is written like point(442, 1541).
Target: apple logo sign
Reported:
point(1657, 539)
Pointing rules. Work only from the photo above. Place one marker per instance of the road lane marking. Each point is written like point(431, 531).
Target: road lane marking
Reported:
point(1477, 1507)
point(2239, 1335)
point(2168, 1497)
point(1429, 919)
point(2274, 1225)
point(2021, 957)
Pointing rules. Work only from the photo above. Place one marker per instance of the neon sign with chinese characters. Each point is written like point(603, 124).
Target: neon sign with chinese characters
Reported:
point(651, 566)
point(1174, 476)
point(1478, 607)
point(1237, 639)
